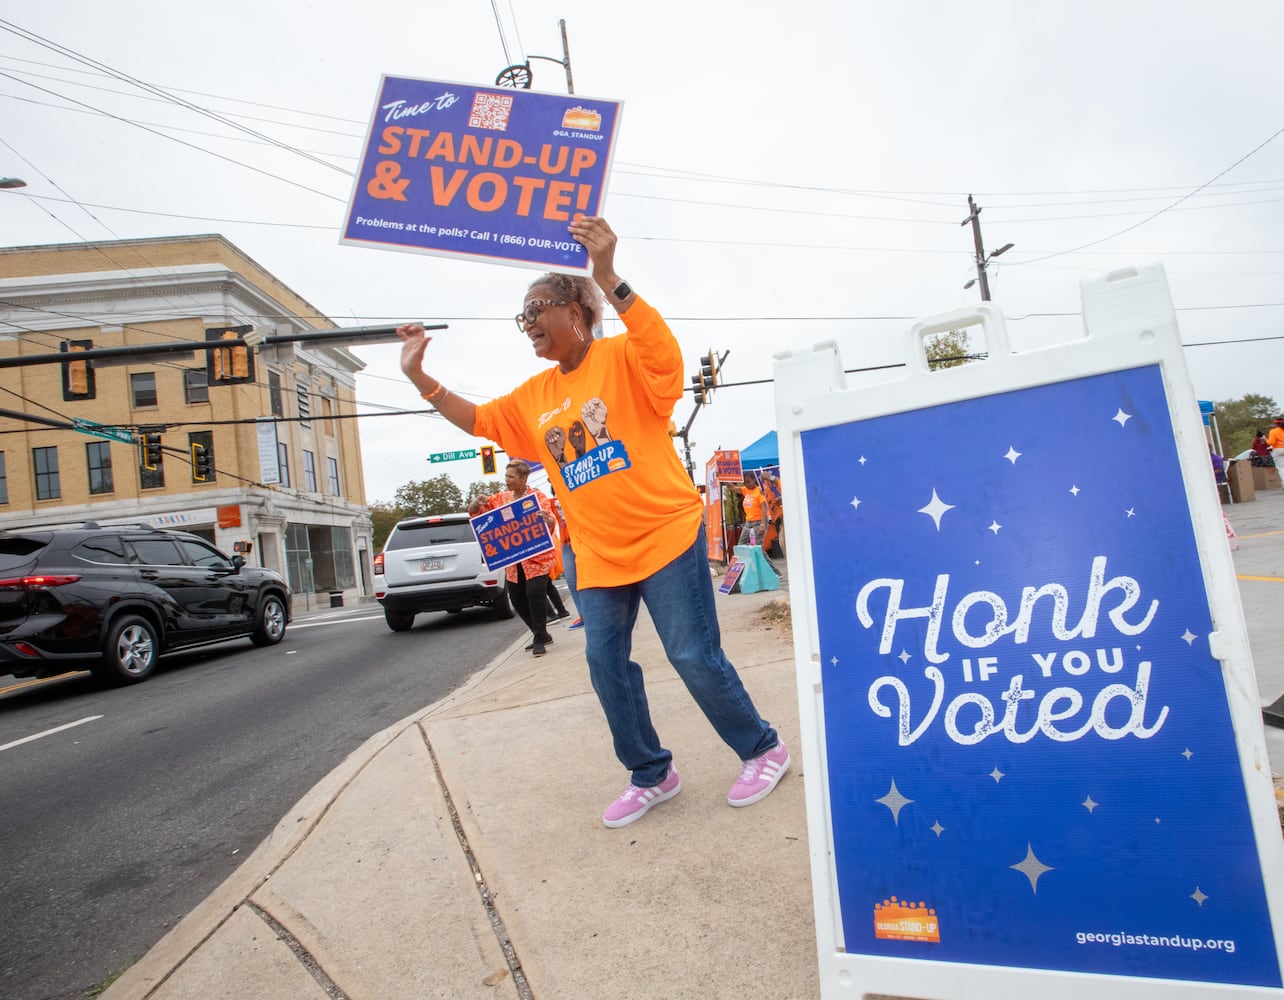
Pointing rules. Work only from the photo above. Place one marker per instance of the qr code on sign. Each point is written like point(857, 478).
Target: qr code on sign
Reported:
point(491, 111)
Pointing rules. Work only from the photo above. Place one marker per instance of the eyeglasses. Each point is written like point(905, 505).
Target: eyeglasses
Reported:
point(534, 309)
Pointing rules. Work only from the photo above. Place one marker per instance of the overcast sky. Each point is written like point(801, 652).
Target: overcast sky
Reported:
point(784, 173)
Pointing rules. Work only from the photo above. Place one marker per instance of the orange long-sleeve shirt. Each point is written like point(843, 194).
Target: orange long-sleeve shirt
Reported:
point(602, 433)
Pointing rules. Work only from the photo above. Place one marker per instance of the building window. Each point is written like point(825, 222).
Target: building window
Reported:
point(98, 458)
point(45, 463)
point(206, 440)
point(196, 385)
point(151, 479)
point(143, 386)
point(327, 414)
point(283, 461)
point(332, 466)
point(4, 481)
point(309, 472)
point(302, 392)
point(274, 394)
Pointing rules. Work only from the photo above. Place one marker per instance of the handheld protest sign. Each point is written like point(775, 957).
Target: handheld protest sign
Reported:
point(1033, 750)
point(481, 172)
point(512, 532)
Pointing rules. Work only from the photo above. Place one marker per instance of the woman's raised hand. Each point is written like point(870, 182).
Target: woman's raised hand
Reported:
point(414, 341)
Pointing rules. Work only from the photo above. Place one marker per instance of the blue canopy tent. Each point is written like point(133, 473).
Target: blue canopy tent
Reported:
point(761, 454)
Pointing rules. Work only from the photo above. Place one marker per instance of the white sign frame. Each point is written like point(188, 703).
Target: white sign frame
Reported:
point(1129, 323)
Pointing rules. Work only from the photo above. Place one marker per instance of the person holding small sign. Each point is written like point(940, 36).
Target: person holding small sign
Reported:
point(636, 521)
point(528, 580)
point(754, 505)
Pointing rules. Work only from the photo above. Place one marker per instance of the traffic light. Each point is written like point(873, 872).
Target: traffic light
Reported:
point(229, 365)
point(202, 464)
point(706, 378)
point(77, 376)
point(709, 369)
point(488, 460)
point(151, 451)
point(698, 389)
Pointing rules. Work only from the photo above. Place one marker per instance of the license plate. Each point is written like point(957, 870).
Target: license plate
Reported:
point(430, 565)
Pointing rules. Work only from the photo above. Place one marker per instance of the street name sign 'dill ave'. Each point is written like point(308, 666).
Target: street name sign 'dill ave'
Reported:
point(452, 456)
point(481, 173)
point(1033, 747)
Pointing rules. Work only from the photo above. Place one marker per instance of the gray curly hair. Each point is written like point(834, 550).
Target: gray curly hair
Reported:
point(574, 288)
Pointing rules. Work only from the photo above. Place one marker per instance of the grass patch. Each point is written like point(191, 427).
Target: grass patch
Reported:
point(105, 985)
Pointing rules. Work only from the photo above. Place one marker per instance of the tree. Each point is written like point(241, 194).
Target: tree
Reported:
point(1239, 420)
point(384, 516)
point(438, 495)
point(482, 488)
point(948, 350)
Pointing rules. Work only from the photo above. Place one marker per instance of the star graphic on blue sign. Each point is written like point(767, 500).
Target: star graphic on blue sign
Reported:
point(1032, 868)
point(936, 509)
point(895, 801)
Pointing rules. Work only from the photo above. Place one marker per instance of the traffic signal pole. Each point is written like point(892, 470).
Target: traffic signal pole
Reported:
point(359, 334)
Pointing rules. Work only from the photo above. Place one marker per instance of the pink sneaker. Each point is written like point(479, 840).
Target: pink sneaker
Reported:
point(635, 801)
point(759, 776)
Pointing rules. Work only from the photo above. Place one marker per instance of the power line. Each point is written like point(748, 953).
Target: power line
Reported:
point(181, 142)
point(149, 88)
point(1155, 215)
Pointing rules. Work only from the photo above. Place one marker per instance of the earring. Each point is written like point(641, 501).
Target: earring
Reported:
point(578, 332)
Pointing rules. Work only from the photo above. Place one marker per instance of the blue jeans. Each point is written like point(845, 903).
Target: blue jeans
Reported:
point(568, 571)
point(680, 600)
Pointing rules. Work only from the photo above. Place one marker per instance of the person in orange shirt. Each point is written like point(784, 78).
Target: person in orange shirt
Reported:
point(1275, 441)
point(621, 391)
point(754, 505)
point(529, 579)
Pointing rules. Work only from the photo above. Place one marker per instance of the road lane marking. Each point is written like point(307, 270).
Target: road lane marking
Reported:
point(50, 732)
point(1268, 579)
point(342, 621)
point(42, 680)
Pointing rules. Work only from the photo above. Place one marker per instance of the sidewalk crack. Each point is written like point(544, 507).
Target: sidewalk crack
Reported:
point(487, 900)
point(305, 957)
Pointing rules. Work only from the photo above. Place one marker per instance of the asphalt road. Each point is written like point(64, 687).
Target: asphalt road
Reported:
point(113, 829)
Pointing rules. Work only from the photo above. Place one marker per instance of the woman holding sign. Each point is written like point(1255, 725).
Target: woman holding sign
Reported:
point(598, 419)
point(529, 580)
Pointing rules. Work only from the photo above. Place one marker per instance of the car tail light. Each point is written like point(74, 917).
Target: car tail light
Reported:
point(39, 582)
point(378, 563)
point(26, 649)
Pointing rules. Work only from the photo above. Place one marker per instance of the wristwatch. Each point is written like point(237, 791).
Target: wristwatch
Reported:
point(622, 291)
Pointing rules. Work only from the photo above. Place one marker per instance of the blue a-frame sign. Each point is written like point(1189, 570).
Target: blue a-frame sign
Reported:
point(1032, 743)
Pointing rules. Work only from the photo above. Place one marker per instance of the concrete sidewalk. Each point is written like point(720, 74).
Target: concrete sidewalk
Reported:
point(461, 853)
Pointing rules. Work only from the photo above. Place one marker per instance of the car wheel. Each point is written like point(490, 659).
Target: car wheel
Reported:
point(271, 624)
point(501, 606)
point(399, 621)
point(129, 653)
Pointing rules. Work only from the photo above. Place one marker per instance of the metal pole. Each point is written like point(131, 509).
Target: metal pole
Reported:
point(975, 218)
point(566, 58)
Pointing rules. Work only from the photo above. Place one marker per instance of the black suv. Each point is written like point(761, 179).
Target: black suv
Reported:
point(115, 598)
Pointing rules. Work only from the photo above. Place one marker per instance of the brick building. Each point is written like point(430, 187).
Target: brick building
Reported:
point(286, 460)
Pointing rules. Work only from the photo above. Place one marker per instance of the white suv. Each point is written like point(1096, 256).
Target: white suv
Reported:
point(435, 564)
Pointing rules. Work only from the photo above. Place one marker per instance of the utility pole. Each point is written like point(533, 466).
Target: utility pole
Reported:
point(974, 217)
point(566, 58)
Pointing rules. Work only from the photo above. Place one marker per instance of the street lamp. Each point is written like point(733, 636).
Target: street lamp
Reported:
point(519, 76)
point(12, 182)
